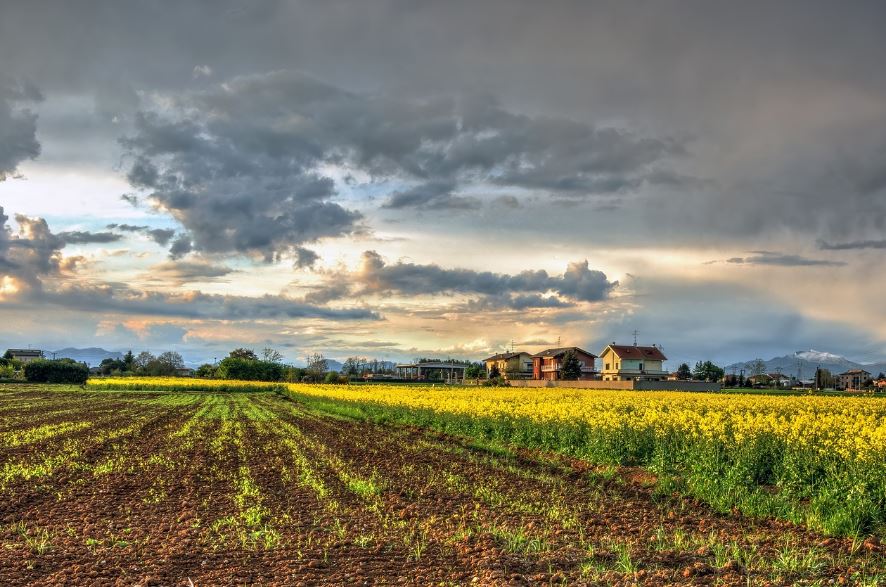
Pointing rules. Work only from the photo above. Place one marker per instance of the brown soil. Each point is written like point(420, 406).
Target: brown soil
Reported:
point(230, 503)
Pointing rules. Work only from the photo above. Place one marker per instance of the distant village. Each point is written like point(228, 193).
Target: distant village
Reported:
point(616, 367)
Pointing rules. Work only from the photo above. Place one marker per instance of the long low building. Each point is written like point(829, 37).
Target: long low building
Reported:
point(432, 371)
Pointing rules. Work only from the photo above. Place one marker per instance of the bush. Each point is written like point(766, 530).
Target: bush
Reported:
point(59, 371)
point(333, 377)
point(249, 370)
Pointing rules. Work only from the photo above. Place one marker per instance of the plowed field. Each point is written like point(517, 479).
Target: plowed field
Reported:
point(149, 488)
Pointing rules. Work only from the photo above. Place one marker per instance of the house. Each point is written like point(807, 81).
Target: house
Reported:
point(184, 372)
point(780, 380)
point(515, 365)
point(24, 355)
point(627, 363)
point(547, 364)
point(880, 384)
point(853, 380)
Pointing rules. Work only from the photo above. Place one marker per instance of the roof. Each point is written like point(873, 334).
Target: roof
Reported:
point(505, 356)
point(637, 352)
point(31, 352)
point(562, 350)
point(432, 365)
point(855, 372)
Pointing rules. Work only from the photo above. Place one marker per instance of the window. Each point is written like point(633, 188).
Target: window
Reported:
point(641, 366)
point(607, 366)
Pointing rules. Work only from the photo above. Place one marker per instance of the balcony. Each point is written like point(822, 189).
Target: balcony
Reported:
point(552, 368)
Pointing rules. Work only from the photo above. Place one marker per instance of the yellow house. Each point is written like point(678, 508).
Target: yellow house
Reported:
point(516, 365)
point(631, 363)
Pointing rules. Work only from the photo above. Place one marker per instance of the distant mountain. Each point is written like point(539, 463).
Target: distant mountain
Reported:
point(91, 356)
point(806, 362)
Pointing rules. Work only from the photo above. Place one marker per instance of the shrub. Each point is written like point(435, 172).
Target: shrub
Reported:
point(249, 370)
point(59, 371)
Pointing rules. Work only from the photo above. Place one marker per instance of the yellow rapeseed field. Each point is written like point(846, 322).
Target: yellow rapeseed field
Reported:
point(848, 427)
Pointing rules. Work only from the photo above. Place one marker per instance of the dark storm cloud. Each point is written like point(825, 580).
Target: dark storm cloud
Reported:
point(578, 283)
point(852, 245)
point(239, 164)
point(18, 125)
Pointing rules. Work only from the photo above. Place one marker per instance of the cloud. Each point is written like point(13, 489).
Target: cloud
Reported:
point(853, 245)
point(35, 253)
point(78, 237)
point(431, 196)
point(181, 272)
point(782, 260)
point(18, 126)
point(31, 254)
point(305, 258)
point(241, 164)
point(161, 236)
point(202, 71)
point(180, 247)
point(193, 305)
point(578, 283)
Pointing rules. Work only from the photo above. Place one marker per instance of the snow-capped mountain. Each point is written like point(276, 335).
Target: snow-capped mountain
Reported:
point(804, 363)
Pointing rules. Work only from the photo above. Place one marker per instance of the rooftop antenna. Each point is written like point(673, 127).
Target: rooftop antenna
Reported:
point(512, 345)
point(635, 333)
point(558, 341)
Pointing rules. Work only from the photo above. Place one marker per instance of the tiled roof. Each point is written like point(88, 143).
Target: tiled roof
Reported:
point(855, 372)
point(560, 351)
point(638, 352)
point(504, 356)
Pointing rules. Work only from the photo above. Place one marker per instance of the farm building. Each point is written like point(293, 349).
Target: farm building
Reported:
point(24, 355)
point(631, 363)
point(546, 365)
point(515, 365)
point(432, 371)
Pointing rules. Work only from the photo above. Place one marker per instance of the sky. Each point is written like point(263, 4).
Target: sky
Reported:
point(397, 179)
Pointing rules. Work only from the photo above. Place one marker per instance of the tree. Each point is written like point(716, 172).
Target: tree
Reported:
point(683, 372)
point(355, 366)
point(317, 366)
point(707, 371)
point(249, 370)
point(205, 371)
point(570, 368)
point(271, 355)
point(474, 371)
point(129, 361)
point(243, 353)
point(142, 361)
point(171, 360)
point(109, 365)
point(881, 375)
